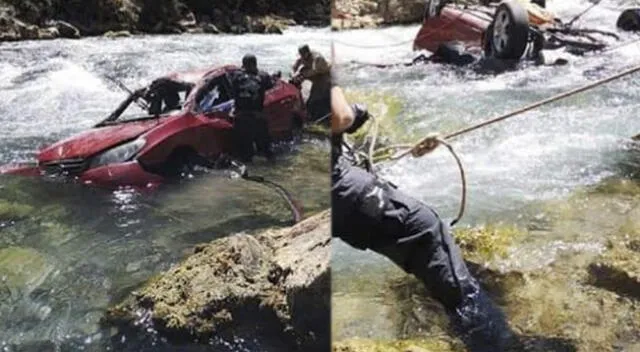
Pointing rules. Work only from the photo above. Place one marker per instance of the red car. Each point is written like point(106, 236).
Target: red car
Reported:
point(510, 29)
point(145, 151)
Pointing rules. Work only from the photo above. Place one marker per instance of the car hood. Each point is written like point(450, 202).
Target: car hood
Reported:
point(96, 140)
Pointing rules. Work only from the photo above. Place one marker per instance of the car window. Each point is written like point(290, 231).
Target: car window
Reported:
point(214, 96)
point(134, 111)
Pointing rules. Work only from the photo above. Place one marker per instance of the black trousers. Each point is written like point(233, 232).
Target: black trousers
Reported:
point(372, 214)
point(251, 127)
point(319, 102)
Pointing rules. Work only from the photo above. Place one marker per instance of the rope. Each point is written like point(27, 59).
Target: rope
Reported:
point(463, 201)
point(583, 12)
point(293, 205)
point(430, 142)
point(295, 212)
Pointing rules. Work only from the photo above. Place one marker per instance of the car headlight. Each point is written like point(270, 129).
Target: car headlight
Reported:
point(119, 154)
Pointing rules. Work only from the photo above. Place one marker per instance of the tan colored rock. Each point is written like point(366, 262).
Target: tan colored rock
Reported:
point(117, 34)
point(277, 281)
point(49, 33)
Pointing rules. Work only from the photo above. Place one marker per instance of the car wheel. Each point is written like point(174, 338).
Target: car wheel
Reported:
point(183, 160)
point(629, 20)
point(541, 3)
point(509, 31)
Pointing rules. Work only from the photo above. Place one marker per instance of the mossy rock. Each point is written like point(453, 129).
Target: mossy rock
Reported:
point(617, 186)
point(11, 211)
point(423, 345)
point(23, 269)
point(487, 242)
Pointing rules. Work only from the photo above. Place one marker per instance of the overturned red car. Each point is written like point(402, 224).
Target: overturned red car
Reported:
point(145, 151)
point(511, 29)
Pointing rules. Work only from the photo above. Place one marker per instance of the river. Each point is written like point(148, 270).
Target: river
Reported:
point(542, 155)
point(80, 249)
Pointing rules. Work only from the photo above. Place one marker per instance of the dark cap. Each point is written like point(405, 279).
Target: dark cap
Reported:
point(249, 61)
point(304, 49)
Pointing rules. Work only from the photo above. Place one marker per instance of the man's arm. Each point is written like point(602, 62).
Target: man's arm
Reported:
point(342, 116)
point(267, 81)
point(296, 65)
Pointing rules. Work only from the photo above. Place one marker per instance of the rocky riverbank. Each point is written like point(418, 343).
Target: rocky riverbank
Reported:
point(274, 284)
point(354, 14)
point(50, 19)
point(567, 276)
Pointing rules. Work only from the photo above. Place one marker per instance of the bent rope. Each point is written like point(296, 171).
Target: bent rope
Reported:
point(431, 142)
point(418, 148)
point(295, 212)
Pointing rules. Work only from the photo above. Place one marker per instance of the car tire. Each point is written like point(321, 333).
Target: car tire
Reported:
point(629, 20)
point(541, 3)
point(508, 33)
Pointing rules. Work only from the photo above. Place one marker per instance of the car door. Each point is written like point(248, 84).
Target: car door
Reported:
point(279, 109)
point(214, 105)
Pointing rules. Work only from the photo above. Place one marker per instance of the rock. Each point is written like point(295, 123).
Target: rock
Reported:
point(162, 17)
point(49, 33)
point(618, 270)
point(354, 14)
point(67, 30)
point(23, 269)
point(29, 32)
point(10, 211)
point(118, 34)
point(424, 345)
point(279, 278)
point(210, 28)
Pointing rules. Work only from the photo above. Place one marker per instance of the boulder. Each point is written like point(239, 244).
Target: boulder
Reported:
point(49, 33)
point(618, 270)
point(275, 283)
point(67, 30)
point(117, 34)
point(210, 28)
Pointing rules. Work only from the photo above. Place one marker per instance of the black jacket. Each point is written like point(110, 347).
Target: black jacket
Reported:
point(248, 89)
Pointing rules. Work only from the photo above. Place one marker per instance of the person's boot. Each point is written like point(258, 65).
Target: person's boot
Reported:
point(481, 324)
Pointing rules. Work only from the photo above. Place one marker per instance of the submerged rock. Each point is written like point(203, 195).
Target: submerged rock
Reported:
point(618, 269)
point(276, 283)
point(11, 211)
point(23, 269)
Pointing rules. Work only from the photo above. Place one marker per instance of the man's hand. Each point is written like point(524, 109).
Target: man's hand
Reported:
point(139, 93)
point(361, 116)
point(297, 80)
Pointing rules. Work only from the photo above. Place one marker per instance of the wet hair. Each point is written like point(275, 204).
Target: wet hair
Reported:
point(304, 50)
point(250, 62)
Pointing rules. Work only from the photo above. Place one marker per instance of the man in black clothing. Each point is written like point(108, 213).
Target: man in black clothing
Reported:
point(248, 88)
point(370, 213)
